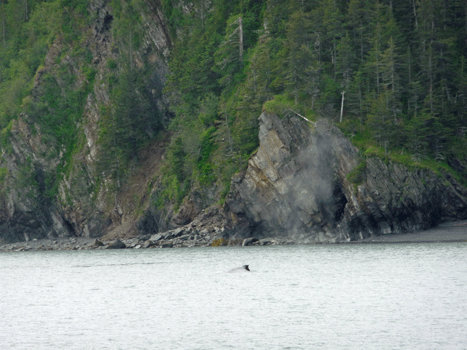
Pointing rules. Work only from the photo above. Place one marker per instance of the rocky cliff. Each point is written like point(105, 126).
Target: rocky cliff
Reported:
point(48, 191)
point(308, 183)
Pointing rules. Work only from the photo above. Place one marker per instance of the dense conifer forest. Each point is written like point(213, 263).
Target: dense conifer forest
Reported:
point(392, 74)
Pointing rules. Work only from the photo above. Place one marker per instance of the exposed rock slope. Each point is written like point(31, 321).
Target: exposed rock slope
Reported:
point(82, 205)
point(306, 182)
point(297, 187)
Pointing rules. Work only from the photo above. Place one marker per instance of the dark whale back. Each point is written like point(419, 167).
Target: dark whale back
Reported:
point(244, 268)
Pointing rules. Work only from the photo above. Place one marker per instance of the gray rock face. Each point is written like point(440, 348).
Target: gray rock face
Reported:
point(156, 237)
point(290, 187)
point(249, 241)
point(296, 187)
point(97, 243)
point(148, 244)
point(117, 244)
point(394, 199)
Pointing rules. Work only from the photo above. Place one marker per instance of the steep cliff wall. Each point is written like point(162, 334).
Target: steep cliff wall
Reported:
point(49, 189)
point(308, 183)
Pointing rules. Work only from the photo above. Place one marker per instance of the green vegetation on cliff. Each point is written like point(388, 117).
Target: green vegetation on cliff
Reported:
point(48, 68)
point(392, 73)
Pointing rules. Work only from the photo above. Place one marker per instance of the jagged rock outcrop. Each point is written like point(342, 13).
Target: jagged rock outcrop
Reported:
point(297, 187)
point(394, 199)
point(25, 210)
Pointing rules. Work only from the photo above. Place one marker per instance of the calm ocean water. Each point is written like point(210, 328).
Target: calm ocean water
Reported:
point(389, 296)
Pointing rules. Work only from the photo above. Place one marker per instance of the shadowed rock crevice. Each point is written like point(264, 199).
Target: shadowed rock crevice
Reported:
point(107, 22)
point(69, 228)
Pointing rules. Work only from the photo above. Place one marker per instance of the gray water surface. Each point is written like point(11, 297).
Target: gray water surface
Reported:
point(391, 296)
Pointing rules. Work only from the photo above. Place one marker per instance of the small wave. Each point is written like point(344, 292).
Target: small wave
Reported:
point(125, 264)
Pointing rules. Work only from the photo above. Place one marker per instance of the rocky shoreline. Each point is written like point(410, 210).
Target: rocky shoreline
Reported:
point(178, 238)
point(142, 242)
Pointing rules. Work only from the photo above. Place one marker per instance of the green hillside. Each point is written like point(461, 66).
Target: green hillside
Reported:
point(392, 74)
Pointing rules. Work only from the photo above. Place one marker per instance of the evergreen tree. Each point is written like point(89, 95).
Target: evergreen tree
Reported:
point(428, 29)
point(330, 30)
point(359, 19)
point(299, 56)
point(229, 56)
point(390, 63)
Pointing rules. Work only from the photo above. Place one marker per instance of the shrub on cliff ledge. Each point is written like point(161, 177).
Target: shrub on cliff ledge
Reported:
point(358, 174)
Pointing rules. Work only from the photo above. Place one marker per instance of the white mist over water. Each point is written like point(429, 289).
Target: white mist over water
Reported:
point(391, 296)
